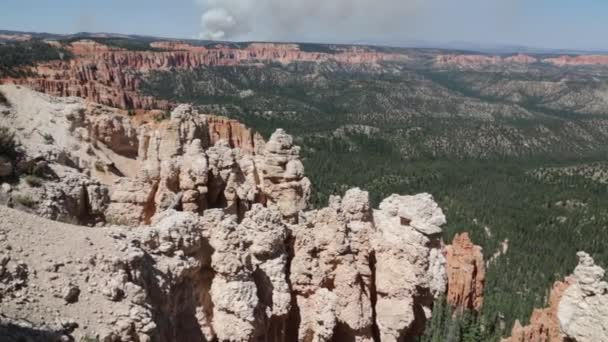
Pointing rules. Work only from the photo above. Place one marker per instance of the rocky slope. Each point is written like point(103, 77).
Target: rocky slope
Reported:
point(206, 236)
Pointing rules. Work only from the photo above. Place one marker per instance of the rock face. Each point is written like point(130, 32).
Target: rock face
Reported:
point(544, 324)
point(466, 273)
point(583, 310)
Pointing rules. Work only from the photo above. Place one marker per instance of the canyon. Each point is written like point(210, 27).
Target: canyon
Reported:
point(189, 226)
point(113, 76)
point(202, 233)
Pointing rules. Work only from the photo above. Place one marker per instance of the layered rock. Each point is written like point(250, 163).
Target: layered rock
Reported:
point(466, 273)
point(583, 309)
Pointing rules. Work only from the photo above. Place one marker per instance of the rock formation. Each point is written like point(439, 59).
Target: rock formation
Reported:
point(186, 277)
point(206, 236)
point(466, 273)
point(583, 310)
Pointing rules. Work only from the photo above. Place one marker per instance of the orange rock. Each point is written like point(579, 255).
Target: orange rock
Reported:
point(466, 273)
point(544, 325)
point(237, 134)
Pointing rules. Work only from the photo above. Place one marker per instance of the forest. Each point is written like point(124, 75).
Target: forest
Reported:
point(16, 55)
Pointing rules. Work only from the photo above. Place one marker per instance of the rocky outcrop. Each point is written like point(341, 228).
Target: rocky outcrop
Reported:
point(544, 324)
point(466, 273)
point(583, 309)
point(186, 163)
point(409, 266)
point(282, 172)
point(577, 311)
point(346, 272)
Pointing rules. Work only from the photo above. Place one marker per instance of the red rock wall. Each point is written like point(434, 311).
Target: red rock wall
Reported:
point(237, 134)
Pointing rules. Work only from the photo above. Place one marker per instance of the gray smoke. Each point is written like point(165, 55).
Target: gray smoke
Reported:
point(303, 19)
point(357, 20)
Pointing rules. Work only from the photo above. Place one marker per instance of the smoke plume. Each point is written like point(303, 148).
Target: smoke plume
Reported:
point(303, 19)
point(357, 20)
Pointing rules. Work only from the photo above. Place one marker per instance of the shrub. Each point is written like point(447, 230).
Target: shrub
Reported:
point(48, 139)
point(15, 57)
point(100, 166)
point(117, 221)
point(34, 181)
point(162, 116)
point(8, 143)
point(25, 200)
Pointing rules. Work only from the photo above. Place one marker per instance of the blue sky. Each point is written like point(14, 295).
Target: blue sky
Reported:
point(541, 23)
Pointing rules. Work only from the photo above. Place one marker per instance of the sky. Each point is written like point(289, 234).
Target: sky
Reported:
point(572, 24)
